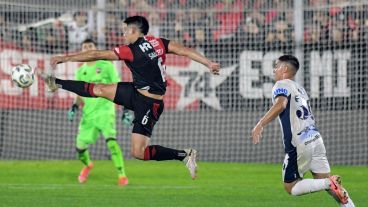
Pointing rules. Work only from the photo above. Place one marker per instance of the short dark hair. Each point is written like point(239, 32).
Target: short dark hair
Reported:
point(292, 60)
point(140, 22)
point(88, 40)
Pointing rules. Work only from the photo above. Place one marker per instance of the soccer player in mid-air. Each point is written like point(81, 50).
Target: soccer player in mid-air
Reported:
point(303, 143)
point(145, 56)
point(98, 116)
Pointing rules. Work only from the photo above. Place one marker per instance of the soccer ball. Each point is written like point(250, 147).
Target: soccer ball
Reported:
point(23, 75)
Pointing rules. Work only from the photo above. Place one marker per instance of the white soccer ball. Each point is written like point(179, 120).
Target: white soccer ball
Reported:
point(23, 75)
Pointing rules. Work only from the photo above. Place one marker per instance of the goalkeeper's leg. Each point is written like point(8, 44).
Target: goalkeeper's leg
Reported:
point(87, 135)
point(118, 160)
point(107, 126)
point(83, 156)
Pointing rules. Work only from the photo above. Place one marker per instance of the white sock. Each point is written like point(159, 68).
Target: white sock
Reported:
point(309, 186)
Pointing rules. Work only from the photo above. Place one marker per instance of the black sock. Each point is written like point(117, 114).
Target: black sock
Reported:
point(79, 87)
point(157, 152)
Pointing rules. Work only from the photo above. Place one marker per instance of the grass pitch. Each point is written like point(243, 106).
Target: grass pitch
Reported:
point(54, 183)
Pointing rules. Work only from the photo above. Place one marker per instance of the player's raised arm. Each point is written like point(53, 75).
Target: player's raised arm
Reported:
point(181, 50)
point(278, 107)
point(87, 56)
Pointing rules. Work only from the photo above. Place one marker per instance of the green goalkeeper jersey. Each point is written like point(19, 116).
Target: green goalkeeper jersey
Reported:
point(100, 72)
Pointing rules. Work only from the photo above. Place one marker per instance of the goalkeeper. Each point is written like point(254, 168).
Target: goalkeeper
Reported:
point(98, 116)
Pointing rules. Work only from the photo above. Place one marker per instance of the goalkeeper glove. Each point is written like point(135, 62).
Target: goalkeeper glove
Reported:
point(127, 117)
point(72, 111)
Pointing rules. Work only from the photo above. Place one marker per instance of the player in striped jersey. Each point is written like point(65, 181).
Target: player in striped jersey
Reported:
point(304, 148)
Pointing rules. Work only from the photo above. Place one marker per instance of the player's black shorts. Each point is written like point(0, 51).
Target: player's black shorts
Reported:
point(147, 111)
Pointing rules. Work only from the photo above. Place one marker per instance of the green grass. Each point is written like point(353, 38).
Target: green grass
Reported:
point(54, 183)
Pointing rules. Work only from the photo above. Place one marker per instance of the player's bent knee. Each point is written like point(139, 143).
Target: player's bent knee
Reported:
point(110, 140)
point(137, 153)
point(80, 150)
point(289, 191)
point(320, 175)
point(105, 90)
point(112, 145)
point(98, 90)
point(289, 188)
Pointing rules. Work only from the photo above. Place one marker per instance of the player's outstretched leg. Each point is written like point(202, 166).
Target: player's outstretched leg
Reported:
point(80, 88)
point(118, 160)
point(141, 149)
point(49, 80)
point(83, 156)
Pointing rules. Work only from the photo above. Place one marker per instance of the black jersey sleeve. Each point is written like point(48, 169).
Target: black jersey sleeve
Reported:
point(166, 44)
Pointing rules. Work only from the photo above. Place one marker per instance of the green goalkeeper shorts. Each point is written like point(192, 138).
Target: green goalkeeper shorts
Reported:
point(90, 129)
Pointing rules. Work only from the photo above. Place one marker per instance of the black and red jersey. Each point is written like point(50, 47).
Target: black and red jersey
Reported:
point(146, 60)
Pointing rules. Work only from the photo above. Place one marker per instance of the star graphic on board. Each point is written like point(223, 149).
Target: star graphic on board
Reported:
point(198, 83)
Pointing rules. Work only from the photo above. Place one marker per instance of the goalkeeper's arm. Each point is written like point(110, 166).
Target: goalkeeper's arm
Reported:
point(74, 108)
point(127, 117)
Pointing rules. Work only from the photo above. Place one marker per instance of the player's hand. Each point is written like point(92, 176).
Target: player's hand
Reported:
point(257, 133)
point(127, 118)
point(214, 68)
point(56, 60)
point(72, 111)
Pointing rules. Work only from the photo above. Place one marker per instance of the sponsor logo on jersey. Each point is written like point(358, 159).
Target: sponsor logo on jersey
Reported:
point(280, 91)
point(154, 42)
point(152, 55)
point(159, 51)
